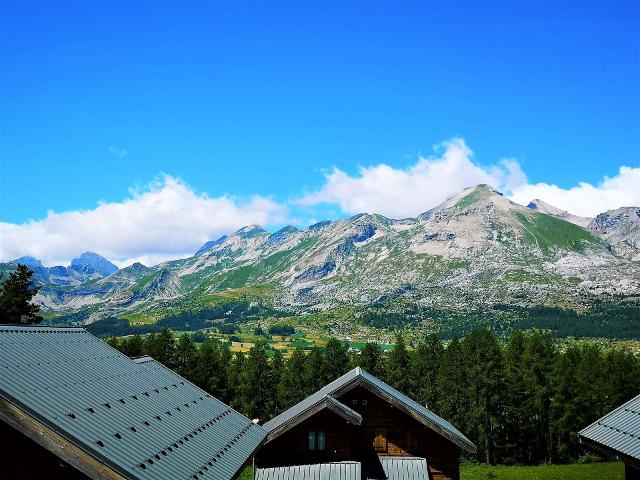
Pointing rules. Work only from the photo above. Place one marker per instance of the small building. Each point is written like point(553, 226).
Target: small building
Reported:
point(73, 407)
point(617, 435)
point(358, 427)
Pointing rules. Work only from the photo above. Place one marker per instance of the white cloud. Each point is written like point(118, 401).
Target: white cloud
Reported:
point(118, 152)
point(584, 199)
point(405, 192)
point(166, 220)
point(409, 191)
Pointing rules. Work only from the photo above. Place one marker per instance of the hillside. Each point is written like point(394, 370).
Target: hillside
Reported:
point(474, 251)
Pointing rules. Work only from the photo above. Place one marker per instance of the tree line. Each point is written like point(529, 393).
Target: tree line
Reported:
point(520, 402)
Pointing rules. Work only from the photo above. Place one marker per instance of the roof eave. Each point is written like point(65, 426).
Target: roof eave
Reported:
point(609, 451)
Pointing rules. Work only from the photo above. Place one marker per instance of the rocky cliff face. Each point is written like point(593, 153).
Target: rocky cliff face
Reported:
point(620, 228)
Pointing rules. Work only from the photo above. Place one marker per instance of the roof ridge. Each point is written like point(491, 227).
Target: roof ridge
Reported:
point(11, 327)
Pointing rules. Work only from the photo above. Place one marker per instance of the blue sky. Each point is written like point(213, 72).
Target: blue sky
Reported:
point(267, 98)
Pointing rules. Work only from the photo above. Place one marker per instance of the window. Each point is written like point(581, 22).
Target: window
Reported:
point(380, 440)
point(317, 441)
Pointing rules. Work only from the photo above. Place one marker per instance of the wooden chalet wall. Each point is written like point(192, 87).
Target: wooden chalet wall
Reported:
point(404, 437)
point(24, 459)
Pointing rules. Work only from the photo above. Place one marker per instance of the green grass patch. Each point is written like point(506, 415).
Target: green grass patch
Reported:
point(550, 233)
point(475, 196)
point(591, 471)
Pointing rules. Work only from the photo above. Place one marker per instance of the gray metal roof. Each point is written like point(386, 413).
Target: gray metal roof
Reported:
point(341, 409)
point(138, 417)
point(389, 468)
point(319, 471)
point(618, 430)
point(358, 377)
point(404, 468)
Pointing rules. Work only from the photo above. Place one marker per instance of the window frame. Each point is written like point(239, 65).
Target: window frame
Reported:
point(312, 443)
point(317, 441)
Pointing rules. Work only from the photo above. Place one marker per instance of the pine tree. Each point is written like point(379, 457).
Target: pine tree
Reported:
point(209, 373)
point(371, 360)
point(485, 381)
point(538, 360)
point(256, 387)
point(567, 419)
point(277, 371)
point(234, 379)
point(133, 346)
point(185, 356)
point(398, 367)
point(314, 371)
point(336, 360)
point(515, 414)
point(425, 366)
point(161, 346)
point(452, 383)
point(622, 372)
point(16, 293)
point(292, 387)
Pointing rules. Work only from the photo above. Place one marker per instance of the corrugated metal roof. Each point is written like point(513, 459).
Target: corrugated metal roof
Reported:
point(404, 468)
point(356, 377)
point(388, 468)
point(139, 417)
point(319, 471)
point(618, 430)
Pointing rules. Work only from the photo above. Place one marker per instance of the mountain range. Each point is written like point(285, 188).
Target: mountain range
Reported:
point(476, 249)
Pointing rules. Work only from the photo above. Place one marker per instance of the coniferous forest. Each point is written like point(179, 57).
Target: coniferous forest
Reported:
point(520, 402)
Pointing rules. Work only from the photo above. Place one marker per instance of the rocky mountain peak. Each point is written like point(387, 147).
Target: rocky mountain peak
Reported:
point(250, 231)
point(101, 264)
point(28, 261)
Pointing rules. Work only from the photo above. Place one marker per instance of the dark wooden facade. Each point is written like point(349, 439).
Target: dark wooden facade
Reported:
point(385, 431)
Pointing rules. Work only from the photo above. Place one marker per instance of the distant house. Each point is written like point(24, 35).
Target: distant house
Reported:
point(358, 427)
point(72, 407)
point(617, 435)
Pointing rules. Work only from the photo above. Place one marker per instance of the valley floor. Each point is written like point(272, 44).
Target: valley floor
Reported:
point(591, 471)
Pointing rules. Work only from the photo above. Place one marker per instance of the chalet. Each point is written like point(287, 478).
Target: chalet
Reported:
point(617, 435)
point(72, 407)
point(358, 427)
